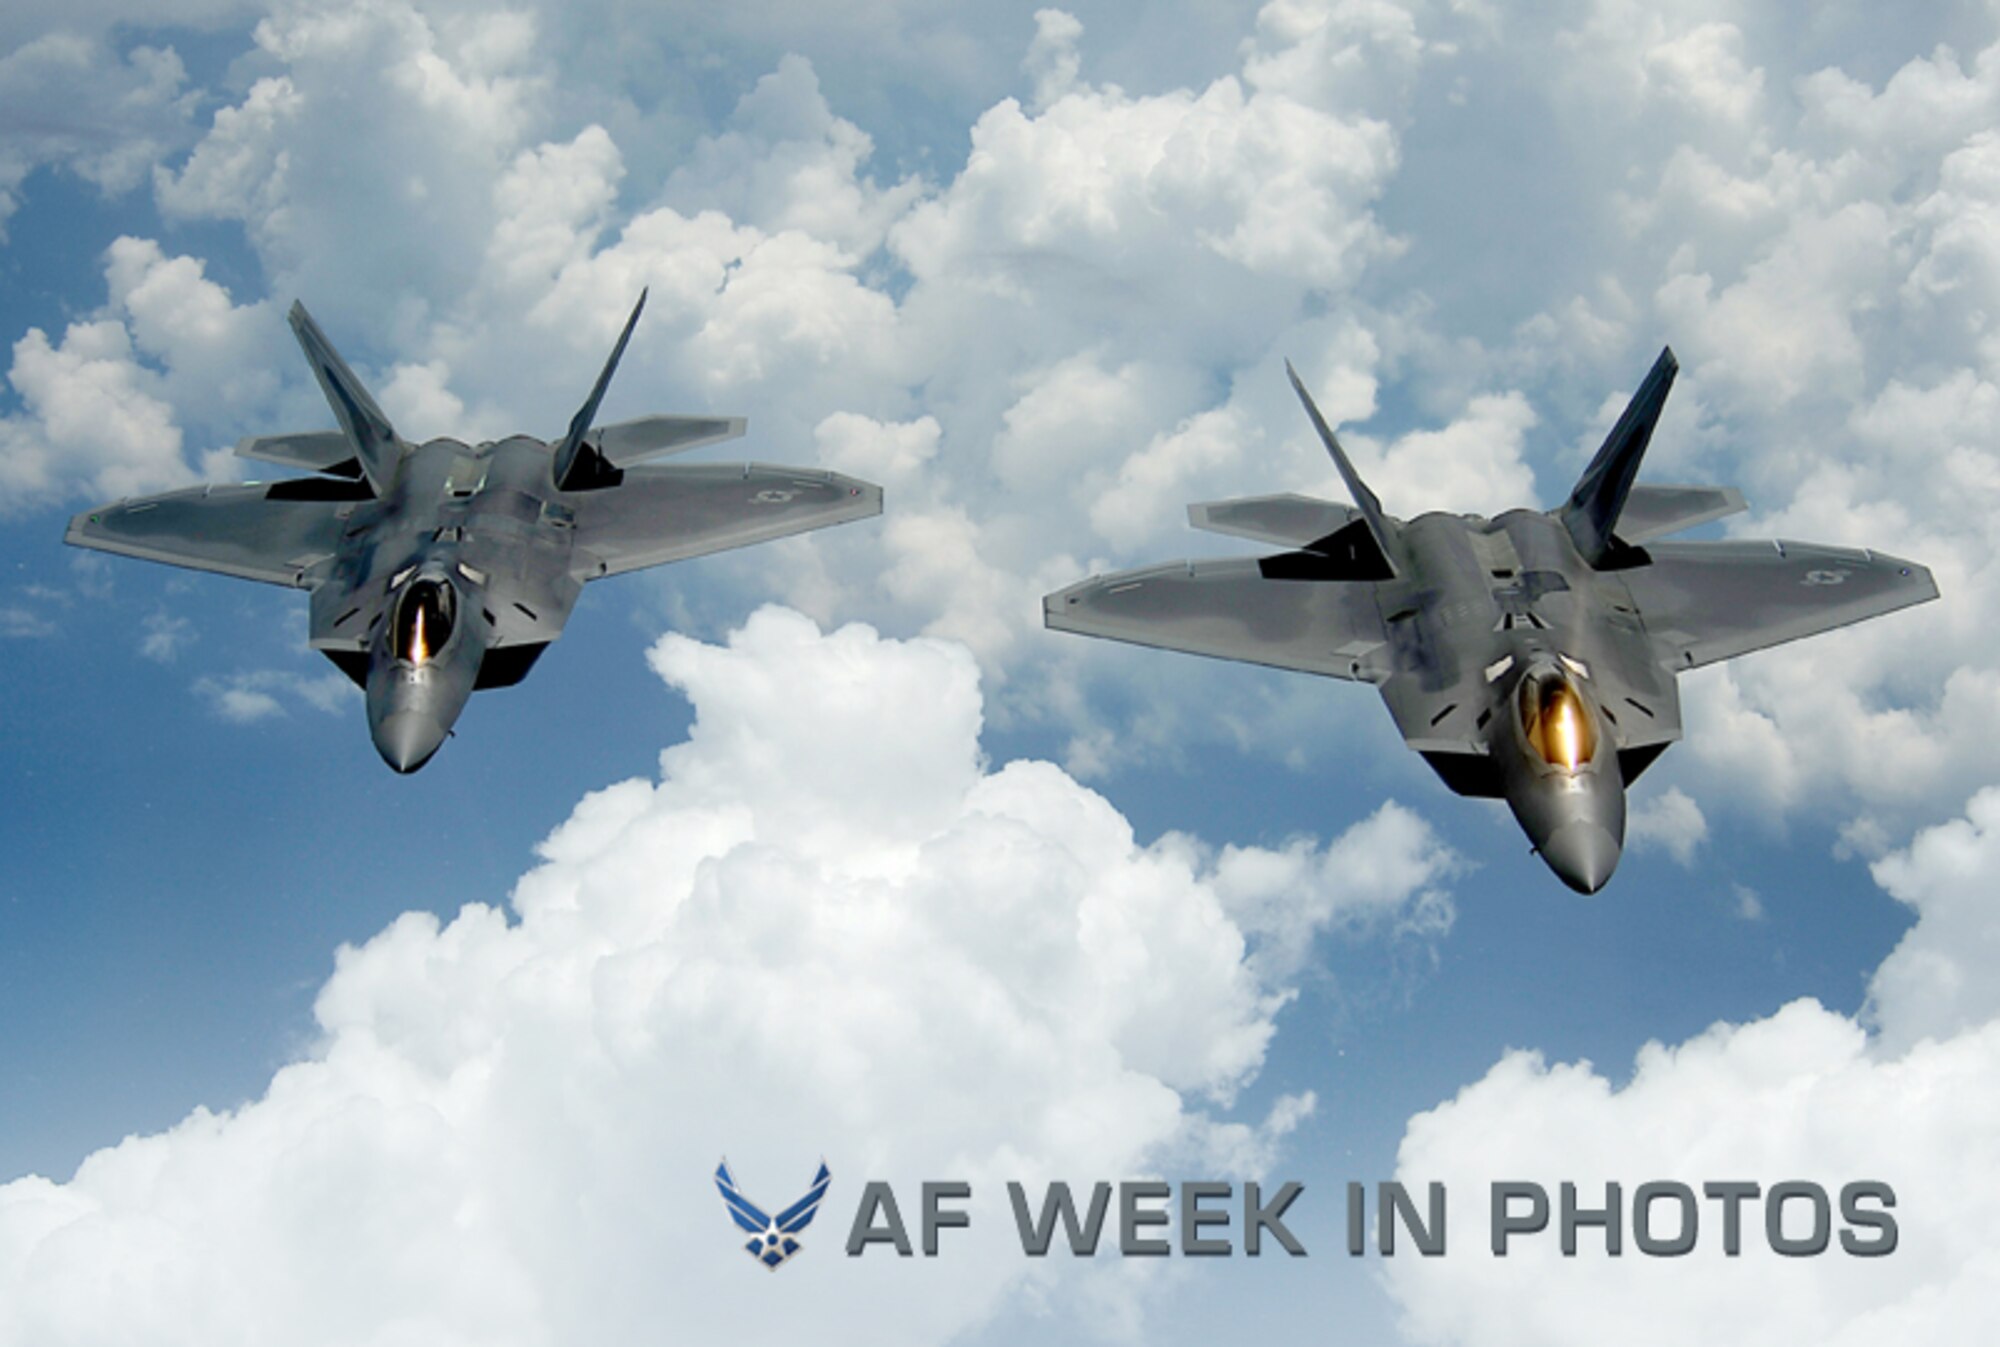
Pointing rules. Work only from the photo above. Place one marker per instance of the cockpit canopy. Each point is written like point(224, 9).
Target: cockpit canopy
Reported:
point(1558, 725)
point(425, 613)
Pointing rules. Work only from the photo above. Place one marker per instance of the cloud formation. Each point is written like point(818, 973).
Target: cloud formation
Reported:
point(1903, 1094)
point(1045, 331)
point(139, 110)
point(106, 410)
point(1670, 821)
point(257, 694)
point(830, 927)
point(1087, 289)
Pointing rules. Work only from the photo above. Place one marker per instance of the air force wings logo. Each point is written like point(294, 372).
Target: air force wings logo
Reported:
point(773, 1238)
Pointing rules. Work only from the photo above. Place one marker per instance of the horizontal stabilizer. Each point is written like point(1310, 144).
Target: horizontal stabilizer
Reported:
point(1289, 520)
point(627, 442)
point(1655, 511)
point(368, 431)
point(313, 450)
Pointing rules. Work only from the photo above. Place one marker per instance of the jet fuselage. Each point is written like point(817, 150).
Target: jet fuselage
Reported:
point(442, 568)
point(1501, 635)
point(1529, 657)
point(483, 530)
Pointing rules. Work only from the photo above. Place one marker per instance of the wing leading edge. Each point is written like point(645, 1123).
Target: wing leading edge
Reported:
point(671, 513)
point(1703, 602)
point(250, 532)
point(1228, 610)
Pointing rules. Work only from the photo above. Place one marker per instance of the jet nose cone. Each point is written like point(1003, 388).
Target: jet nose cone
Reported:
point(406, 739)
point(1583, 855)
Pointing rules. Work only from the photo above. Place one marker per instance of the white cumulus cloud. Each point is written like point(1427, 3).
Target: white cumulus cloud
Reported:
point(829, 928)
point(1904, 1095)
point(1088, 287)
point(1671, 821)
point(105, 409)
point(94, 416)
point(136, 108)
point(257, 694)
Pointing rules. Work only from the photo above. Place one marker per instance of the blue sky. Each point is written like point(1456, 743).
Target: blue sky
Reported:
point(1036, 272)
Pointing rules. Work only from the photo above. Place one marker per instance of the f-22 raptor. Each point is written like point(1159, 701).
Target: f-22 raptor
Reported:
point(1530, 656)
point(443, 568)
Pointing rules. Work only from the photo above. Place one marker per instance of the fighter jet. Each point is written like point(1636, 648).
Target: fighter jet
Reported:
point(441, 569)
point(1531, 656)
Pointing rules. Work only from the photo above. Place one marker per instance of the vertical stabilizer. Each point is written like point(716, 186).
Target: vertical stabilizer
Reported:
point(1364, 499)
point(1592, 510)
point(577, 466)
point(367, 429)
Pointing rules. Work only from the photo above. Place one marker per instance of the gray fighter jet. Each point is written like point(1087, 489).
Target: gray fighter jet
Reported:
point(1530, 656)
point(440, 569)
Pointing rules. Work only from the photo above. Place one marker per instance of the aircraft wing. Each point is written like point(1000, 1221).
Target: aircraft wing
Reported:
point(1227, 609)
point(661, 514)
point(251, 532)
point(1703, 602)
